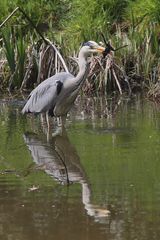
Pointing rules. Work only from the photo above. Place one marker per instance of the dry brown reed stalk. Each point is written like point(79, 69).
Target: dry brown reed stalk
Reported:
point(154, 92)
point(49, 62)
point(2, 66)
point(30, 75)
point(105, 71)
point(154, 85)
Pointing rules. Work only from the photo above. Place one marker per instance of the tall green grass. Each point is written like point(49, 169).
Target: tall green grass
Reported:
point(9, 49)
point(15, 52)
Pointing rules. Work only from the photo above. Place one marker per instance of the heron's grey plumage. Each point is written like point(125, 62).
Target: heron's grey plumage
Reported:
point(44, 96)
point(57, 94)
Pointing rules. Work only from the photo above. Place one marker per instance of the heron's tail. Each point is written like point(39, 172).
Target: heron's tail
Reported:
point(26, 109)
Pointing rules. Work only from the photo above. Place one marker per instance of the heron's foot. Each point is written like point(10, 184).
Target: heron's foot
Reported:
point(61, 121)
point(58, 131)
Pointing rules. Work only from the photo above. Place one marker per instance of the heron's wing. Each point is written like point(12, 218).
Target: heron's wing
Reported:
point(44, 96)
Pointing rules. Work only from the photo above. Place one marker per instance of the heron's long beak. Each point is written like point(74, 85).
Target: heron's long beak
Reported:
point(100, 49)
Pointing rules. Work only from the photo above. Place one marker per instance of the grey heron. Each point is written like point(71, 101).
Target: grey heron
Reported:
point(56, 95)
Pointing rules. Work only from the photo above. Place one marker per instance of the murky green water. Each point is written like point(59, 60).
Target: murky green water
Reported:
point(112, 166)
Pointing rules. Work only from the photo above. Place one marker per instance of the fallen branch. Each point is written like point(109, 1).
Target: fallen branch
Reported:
point(15, 10)
point(26, 16)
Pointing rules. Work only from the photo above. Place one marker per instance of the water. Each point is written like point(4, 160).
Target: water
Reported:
point(99, 180)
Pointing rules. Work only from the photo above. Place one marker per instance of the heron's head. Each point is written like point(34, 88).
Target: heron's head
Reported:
point(91, 47)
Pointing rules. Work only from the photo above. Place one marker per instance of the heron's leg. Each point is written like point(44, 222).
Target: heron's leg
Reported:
point(47, 118)
point(59, 122)
point(49, 134)
point(61, 126)
point(49, 127)
point(44, 123)
point(43, 119)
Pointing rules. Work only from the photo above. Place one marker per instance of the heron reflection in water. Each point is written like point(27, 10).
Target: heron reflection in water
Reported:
point(59, 159)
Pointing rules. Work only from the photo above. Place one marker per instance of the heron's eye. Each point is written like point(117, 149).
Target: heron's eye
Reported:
point(91, 46)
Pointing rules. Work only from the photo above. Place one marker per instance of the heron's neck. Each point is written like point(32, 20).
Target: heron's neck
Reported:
point(83, 68)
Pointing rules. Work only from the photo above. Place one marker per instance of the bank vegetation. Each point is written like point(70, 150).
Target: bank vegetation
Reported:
point(26, 59)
